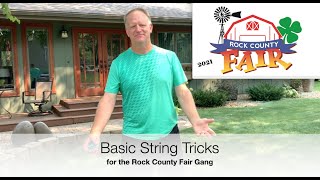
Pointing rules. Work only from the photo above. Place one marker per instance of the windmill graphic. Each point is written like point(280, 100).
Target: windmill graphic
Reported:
point(222, 15)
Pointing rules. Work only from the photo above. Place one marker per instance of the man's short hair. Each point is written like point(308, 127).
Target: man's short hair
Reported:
point(137, 9)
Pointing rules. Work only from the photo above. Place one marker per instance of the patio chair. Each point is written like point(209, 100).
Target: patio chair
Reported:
point(43, 92)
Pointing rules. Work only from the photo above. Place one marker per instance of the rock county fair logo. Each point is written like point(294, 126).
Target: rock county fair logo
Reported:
point(259, 40)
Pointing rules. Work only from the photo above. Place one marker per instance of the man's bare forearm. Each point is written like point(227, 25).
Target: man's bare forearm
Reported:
point(103, 113)
point(187, 103)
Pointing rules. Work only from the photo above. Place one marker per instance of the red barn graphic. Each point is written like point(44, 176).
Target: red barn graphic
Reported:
point(252, 29)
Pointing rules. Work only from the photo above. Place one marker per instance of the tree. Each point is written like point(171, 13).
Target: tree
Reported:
point(6, 11)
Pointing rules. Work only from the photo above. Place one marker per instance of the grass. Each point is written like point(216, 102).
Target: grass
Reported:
point(286, 116)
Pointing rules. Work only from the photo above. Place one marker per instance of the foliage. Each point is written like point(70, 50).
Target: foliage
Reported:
point(230, 88)
point(290, 92)
point(265, 92)
point(317, 85)
point(40, 34)
point(289, 31)
point(204, 98)
point(296, 84)
point(178, 110)
point(6, 11)
point(210, 98)
point(181, 43)
point(2, 81)
point(5, 37)
point(176, 102)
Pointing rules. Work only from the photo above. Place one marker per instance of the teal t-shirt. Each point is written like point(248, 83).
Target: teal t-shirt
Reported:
point(146, 83)
point(35, 73)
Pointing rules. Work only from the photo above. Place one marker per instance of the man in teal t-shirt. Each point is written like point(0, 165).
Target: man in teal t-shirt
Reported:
point(145, 82)
point(34, 74)
point(146, 75)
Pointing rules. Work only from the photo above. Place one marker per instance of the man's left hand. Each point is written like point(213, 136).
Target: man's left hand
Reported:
point(201, 127)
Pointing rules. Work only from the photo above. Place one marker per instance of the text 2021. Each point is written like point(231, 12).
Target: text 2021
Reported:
point(203, 63)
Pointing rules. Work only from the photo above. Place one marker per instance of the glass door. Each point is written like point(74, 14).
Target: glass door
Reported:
point(94, 52)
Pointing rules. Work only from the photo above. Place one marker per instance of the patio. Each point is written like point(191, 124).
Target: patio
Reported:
point(66, 125)
point(8, 124)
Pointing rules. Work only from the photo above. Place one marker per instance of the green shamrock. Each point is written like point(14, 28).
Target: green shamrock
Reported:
point(288, 30)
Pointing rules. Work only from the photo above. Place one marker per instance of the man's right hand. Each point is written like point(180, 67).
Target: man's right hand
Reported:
point(91, 144)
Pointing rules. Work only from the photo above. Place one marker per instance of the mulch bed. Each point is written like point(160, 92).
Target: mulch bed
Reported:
point(244, 100)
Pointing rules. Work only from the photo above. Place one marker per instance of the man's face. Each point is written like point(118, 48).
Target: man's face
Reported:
point(138, 27)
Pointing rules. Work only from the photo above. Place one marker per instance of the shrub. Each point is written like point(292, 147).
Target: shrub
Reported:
point(175, 100)
point(176, 103)
point(210, 98)
point(296, 84)
point(2, 81)
point(265, 92)
point(230, 88)
point(289, 92)
point(178, 110)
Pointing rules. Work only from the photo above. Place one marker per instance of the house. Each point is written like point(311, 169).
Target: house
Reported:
point(75, 43)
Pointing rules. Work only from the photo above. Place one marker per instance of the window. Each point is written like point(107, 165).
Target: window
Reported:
point(37, 40)
point(38, 58)
point(6, 58)
point(179, 42)
point(9, 77)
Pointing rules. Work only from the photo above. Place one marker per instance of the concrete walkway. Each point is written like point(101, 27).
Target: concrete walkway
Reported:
point(113, 126)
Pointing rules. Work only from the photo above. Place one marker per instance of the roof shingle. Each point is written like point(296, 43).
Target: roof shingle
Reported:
point(169, 10)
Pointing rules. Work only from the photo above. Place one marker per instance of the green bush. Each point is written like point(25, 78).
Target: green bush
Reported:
point(210, 98)
point(175, 100)
point(265, 92)
point(229, 87)
point(290, 92)
point(296, 84)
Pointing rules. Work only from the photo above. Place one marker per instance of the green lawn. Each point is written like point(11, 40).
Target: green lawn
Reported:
point(287, 116)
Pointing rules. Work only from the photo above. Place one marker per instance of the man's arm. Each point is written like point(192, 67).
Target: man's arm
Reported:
point(103, 113)
point(186, 101)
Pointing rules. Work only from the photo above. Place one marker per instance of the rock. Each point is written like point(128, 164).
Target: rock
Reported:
point(24, 127)
point(23, 133)
point(41, 128)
